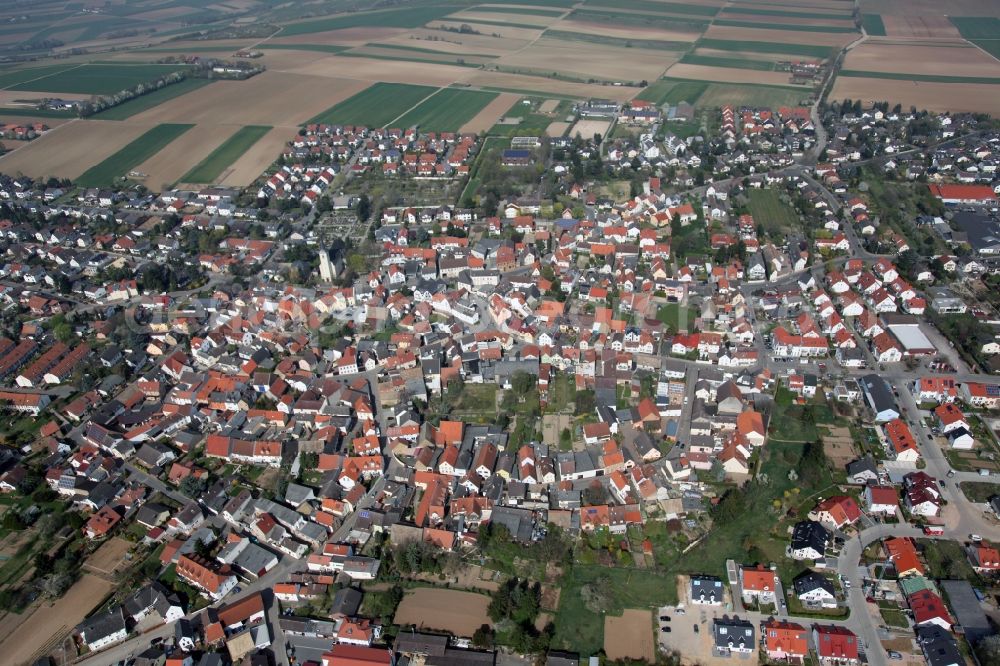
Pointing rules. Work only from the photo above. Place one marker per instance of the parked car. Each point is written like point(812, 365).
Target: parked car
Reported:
point(665, 630)
point(696, 629)
point(894, 655)
point(664, 618)
point(680, 611)
point(975, 538)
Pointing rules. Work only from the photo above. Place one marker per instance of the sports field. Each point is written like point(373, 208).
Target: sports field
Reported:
point(376, 105)
point(210, 168)
point(133, 154)
point(446, 110)
point(96, 79)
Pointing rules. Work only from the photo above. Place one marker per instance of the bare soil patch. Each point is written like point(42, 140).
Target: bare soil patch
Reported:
point(344, 36)
point(272, 98)
point(450, 42)
point(71, 149)
point(971, 97)
point(587, 60)
point(460, 613)
point(625, 32)
point(946, 59)
point(629, 636)
point(839, 447)
point(49, 623)
point(491, 113)
point(779, 36)
point(588, 128)
point(557, 128)
point(252, 163)
point(110, 557)
point(371, 70)
point(548, 106)
point(167, 166)
point(727, 75)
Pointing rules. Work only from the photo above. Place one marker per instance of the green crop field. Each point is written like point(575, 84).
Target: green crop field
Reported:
point(405, 17)
point(446, 110)
point(149, 100)
point(35, 113)
point(813, 50)
point(132, 155)
point(673, 91)
point(527, 11)
point(653, 7)
point(209, 169)
point(734, 63)
point(20, 76)
point(991, 46)
point(977, 27)
point(929, 78)
point(376, 105)
point(783, 26)
point(97, 79)
point(873, 25)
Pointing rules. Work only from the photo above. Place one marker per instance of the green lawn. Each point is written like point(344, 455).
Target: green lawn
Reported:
point(150, 100)
point(676, 316)
point(980, 491)
point(97, 79)
point(580, 629)
point(767, 47)
point(894, 617)
point(209, 169)
point(769, 211)
point(375, 106)
point(733, 63)
point(446, 110)
point(477, 399)
point(873, 25)
point(667, 91)
point(929, 78)
point(132, 155)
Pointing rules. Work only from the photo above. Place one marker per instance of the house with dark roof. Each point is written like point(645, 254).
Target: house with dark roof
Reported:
point(733, 636)
point(815, 590)
point(809, 539)
point(707, 590)
point(103, 629)
point(939, 646)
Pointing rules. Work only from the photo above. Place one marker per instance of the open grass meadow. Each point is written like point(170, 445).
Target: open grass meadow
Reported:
point(588, 587)
point(375, 106)
point(210, 168)
point(150, 100)
point(446, 110)
point(752, 95)
point(133, 154)
point(771, 212)
point(667, 91)
point(96, 78)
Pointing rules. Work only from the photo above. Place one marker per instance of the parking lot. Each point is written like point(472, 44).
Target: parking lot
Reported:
point(691, 630)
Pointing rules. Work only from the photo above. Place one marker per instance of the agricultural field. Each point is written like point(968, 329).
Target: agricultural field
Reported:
point(213, 166)
point(460, 613)
point(922, 95)
point(733, 75)
point(490, 114)
point(447, 110)
point(96, 78)
point(376, 106)
point(945, 61)
point(150, 100)
point(69, 150)
point(873, 25)
point(777, 47)
point(133, 154)
point(666, 91)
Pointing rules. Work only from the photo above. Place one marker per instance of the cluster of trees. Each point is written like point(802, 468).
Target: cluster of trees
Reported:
point(94, 106)
point(514, 609)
